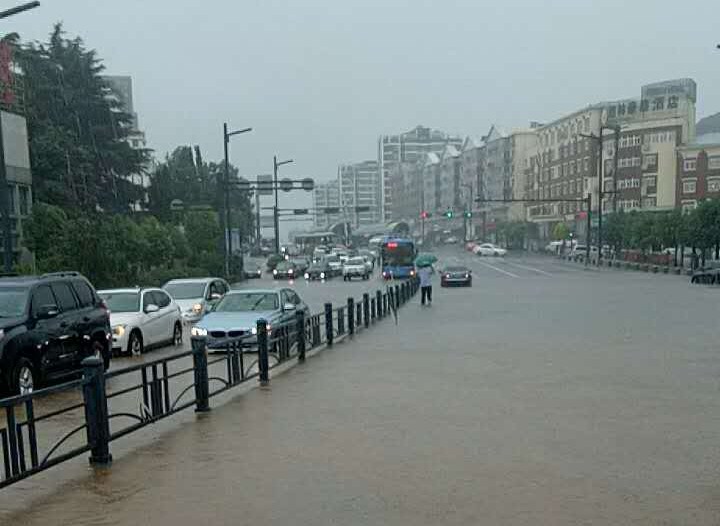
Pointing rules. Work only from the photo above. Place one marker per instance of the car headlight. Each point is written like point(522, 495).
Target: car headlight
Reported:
point(197, 308)
point(2, 334)
point(307, 276)
point(467, 276)
point(322, 275)
point(291, 271)
point(253, 331)
point(198, 331)
point(118, 330)
point(275, 271)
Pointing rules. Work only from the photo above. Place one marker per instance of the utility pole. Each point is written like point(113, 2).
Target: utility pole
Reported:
point(615, 166)
point(227, 231)
point(257, 218)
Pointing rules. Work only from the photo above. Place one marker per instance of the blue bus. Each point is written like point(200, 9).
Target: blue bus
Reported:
point(398, 258)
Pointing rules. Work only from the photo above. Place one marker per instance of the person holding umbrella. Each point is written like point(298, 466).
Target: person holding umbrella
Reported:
point(424, 263)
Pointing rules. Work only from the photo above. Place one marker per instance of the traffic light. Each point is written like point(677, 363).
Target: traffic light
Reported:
point(424, 214)
point(449, 214)
point(468, 214)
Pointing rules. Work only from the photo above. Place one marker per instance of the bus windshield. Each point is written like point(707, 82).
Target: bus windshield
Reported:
point(398, 254)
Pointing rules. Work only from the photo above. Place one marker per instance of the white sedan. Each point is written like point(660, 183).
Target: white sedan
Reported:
point(142, 318)
point(488, 249)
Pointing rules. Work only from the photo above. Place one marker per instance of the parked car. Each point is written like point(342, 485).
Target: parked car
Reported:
point(285, 270)
point(355, 268)
point(237, 314)
point(253, 271)
point(195, 296)
point(456, 275)
point(333, 261)
point(318, 270)
point(451, 240)
point(488, 249)
point(142, 318)
point(470, 245)
point(48, 325)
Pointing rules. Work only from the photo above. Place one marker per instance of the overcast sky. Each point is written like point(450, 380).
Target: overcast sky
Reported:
point(319, 80)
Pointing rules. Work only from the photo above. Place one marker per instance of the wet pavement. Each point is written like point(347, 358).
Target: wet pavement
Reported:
point(546, 394)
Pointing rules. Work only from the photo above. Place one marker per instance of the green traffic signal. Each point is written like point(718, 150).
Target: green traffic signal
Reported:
point(468, 214)
point(449, 214)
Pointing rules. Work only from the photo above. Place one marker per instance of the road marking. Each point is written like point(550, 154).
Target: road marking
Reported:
point(532, 269)
point(488, 265)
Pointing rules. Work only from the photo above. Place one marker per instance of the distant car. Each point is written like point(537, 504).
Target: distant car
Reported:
point(319, 253)
point(333, 261)
point(470, 245)
point(488, 249)
point(355, 268)
point(451, 240)
point(369, 263)
point(48, 325)
point(301, 264)
point(456, 275)
point(195, 296)
point(141, 319)
point(253, 271)
point(272, 261)
point(318, 270)
point(237, 314)
point(285, 270)
point(343, 255)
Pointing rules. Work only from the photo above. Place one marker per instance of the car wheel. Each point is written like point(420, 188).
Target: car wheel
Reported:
point(100, 351)
point(135, 344)
point(22, 379)
point(177, 334)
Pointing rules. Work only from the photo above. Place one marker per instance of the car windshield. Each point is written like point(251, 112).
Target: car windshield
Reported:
point(13, 301)
point(332, 259)
point(299, 262)
point(284, 265)
point(356, 261)
point(121, 301)
point(456, 269)
point(248, 301)
point(318, 266)
point(185, 290)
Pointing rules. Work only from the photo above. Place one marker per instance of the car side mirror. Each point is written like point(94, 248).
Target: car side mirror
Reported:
point(215, 296)
point(45, 312)
point(289, 307)
point(150, 308)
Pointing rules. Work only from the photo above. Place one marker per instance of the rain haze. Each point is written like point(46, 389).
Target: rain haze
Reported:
point(319, 81)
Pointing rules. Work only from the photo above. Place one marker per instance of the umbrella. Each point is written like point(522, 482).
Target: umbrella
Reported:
point(425, 260)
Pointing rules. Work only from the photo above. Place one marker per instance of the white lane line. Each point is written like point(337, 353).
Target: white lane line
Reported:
point(532, 269)
point(488, 265)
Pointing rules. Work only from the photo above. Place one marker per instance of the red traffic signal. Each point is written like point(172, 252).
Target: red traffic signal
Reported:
point(424, 214)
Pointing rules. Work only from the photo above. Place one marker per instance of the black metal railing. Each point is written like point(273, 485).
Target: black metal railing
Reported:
point(97, 409)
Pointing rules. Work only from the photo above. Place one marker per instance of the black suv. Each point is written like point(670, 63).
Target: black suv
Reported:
point(48, 325)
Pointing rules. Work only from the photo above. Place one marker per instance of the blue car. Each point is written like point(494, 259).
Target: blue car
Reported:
point(236, 315)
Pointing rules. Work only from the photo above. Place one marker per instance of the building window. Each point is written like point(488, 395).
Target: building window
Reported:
point(11, 199)
point(649, 202)
point(714, 162)
point(713, 185)
point(689, 187)
point(688, 206)
point(649, 162)
point(689, 165)
point(586, 163)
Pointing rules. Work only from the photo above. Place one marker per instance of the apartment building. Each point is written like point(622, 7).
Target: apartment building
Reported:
point(326, 195)
point(360, 187)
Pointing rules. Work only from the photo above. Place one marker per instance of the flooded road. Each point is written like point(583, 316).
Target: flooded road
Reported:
point(546, 394)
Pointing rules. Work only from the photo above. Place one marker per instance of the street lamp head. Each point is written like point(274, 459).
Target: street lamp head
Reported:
point(238, 132)
point(285, 162)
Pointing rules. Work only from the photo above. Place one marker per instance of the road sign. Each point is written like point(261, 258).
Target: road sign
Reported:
point(595, 221)
point(300, 211)
point(331, 210)
point(265, 184)
point(362, 208)
point(308, 184)
point(177, 204)
point(285, 185)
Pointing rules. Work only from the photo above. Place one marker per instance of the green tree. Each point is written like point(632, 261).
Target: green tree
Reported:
point(560, 231)
point(78, 131)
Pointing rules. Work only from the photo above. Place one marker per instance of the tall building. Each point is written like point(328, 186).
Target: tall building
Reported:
point(122, 90)
point(411, 146)
point(494, 181)
point(431, 197)
point(450, 183)
point(523, 145)
point(326, 195)
point(360, 187)
point(407, 187)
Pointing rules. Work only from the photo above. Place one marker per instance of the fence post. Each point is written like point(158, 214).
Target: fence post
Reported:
point(351, 316)
point(366, 309)
point(263, 365)
point(397, 296)
point(300, 328)
point(358, 317)
point(373, 311)
point(378, 304)
point(385, 303)
point(341, 321)
point(329, 324)
point(200, 370)
point(96, 411)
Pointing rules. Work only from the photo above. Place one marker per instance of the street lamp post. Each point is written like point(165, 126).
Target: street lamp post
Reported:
point(465, 215)
point(227, 223)
point(19, 9)
point(276, 222)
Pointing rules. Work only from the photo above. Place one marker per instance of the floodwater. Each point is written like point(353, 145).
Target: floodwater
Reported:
point(545, 394)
